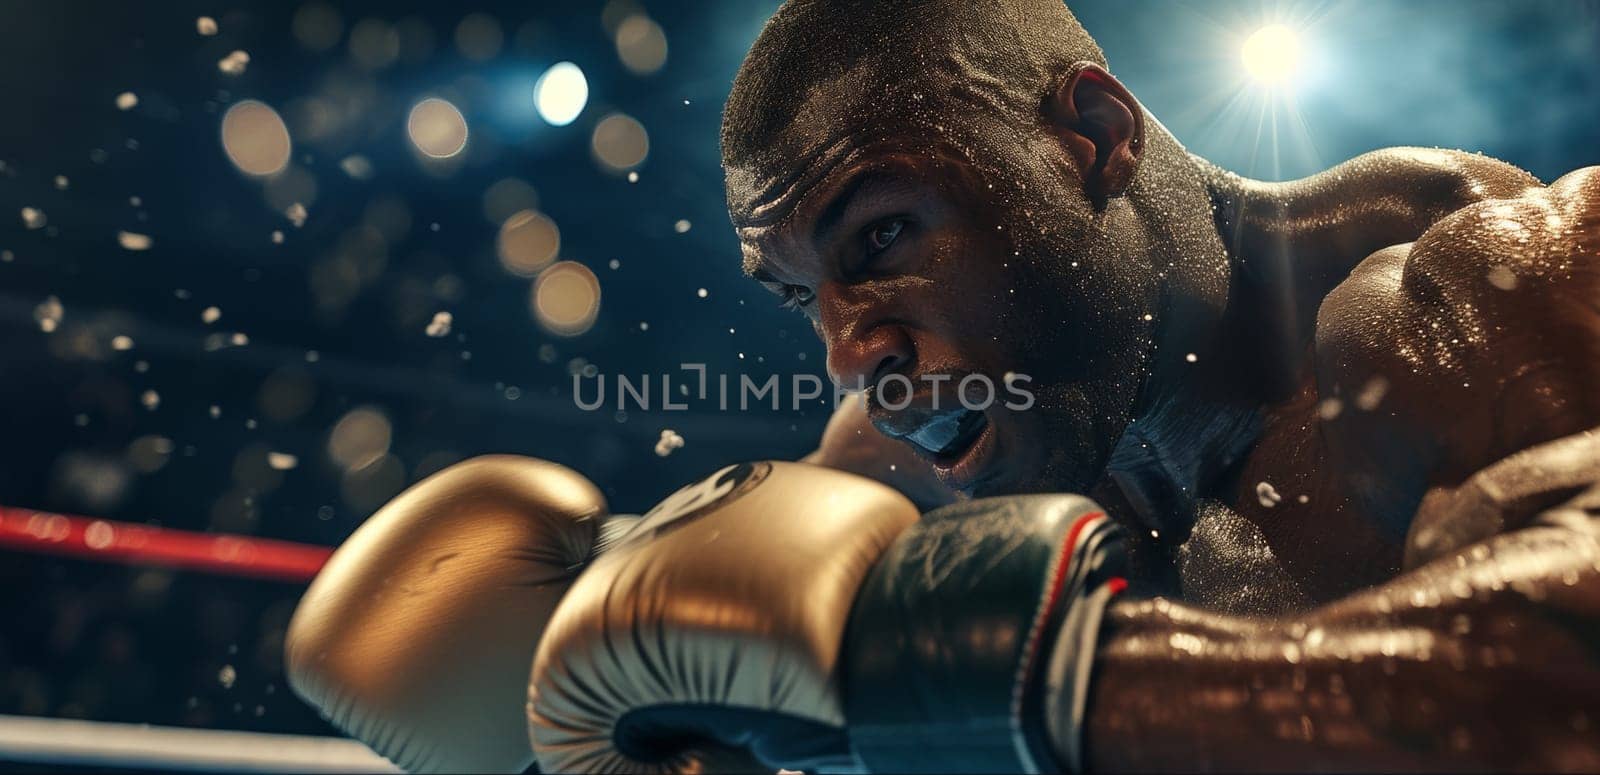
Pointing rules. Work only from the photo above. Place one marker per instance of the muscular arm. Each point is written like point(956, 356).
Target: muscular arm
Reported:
point(1486, 658)
point(1485, 653)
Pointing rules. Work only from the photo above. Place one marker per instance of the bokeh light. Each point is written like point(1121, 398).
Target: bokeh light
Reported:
point(566, 299)
point(317, 26)
point(561, 94)
point(620, 143)
point(374, 44)
point(506, 197)
point(255, 138)
point(437, 128)
point(641, 45)
point(529, 241)
point(479, 37)
point(360, 438)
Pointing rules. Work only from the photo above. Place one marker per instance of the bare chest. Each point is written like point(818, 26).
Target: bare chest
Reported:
point(1286, 533)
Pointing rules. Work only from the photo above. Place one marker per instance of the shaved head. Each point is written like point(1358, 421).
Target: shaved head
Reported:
point(828, 74)
point(961, 187)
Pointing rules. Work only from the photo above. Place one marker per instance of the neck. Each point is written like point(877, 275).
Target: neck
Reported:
point(1198, 413)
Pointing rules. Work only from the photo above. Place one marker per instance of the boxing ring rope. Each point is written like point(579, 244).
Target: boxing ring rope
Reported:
point(65, 742)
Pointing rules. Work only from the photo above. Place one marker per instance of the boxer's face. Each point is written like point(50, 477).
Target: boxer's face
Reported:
point(931, 265)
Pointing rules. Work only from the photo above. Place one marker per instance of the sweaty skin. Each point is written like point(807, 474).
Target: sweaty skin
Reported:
point(1351, 419)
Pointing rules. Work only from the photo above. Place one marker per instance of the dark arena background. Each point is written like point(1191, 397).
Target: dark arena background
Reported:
point(265, 264)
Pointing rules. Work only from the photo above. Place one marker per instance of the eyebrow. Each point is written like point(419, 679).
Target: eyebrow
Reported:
point(829, 220)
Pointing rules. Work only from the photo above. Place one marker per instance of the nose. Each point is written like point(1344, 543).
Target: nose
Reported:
point(863, 343)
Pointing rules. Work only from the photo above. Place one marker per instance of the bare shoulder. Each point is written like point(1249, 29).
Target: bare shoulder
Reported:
point(1483, 336)
point(1441, 174)
point(1535, 242)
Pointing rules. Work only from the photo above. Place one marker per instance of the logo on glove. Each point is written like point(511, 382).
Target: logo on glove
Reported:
point(699, 499)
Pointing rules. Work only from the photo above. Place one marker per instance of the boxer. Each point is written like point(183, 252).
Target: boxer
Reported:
point(1348, 421)
point(1345, 425)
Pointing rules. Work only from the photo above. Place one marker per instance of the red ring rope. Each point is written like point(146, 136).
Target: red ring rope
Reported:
point(42, 532)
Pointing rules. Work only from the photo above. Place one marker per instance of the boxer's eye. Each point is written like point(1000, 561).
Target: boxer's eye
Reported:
point(797, 296)
point(882, 234)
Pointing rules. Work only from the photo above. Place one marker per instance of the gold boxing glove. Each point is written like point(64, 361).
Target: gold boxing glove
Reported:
point(417, 636)
point(716, 623)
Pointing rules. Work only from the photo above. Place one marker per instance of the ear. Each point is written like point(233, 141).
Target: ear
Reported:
point(1101, 125)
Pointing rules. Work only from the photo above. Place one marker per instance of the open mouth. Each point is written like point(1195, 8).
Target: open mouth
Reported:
point(946, 437)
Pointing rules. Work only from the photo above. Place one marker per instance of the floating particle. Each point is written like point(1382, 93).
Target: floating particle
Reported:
point(150, 399)
point(1372, 393)
point(644, 326)
point(614, 264)
point(282, 461)
point(669, 441)
point(226, 676)
point(48, 314)
point(682, 226)
point(547, 353)
point(1191, 357)
point(1501, 276)
point(356, 166)
point(277, 236)
point(122, 343)
point(135, 201)
point(33, 218)
point(633, 177)
point(133, 240)
point(440, 325)
point(211, 315)
point(216, 411)
point(62, 183)
point(206, 26)
point(239, 340)
point(1303, 499)
point(1267, 495)
point(702, 293)
point(296, 213)
point(7, 256)
point(127, 101)
point(1330, 408)
point(234, 63)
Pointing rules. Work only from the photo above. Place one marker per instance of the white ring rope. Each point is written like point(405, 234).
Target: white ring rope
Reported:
point(98, 743)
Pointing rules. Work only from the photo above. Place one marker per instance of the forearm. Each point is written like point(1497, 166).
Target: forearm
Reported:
point(1483, 659)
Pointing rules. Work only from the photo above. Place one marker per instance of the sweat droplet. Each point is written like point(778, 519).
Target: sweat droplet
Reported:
point(669, 441)
point(1268, 495)
point(234, 63)
point(1501, 276)
point(440, 325)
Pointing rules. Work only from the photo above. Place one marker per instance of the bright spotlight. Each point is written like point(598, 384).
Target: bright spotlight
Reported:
point(561, 93)
point(1272, 54)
